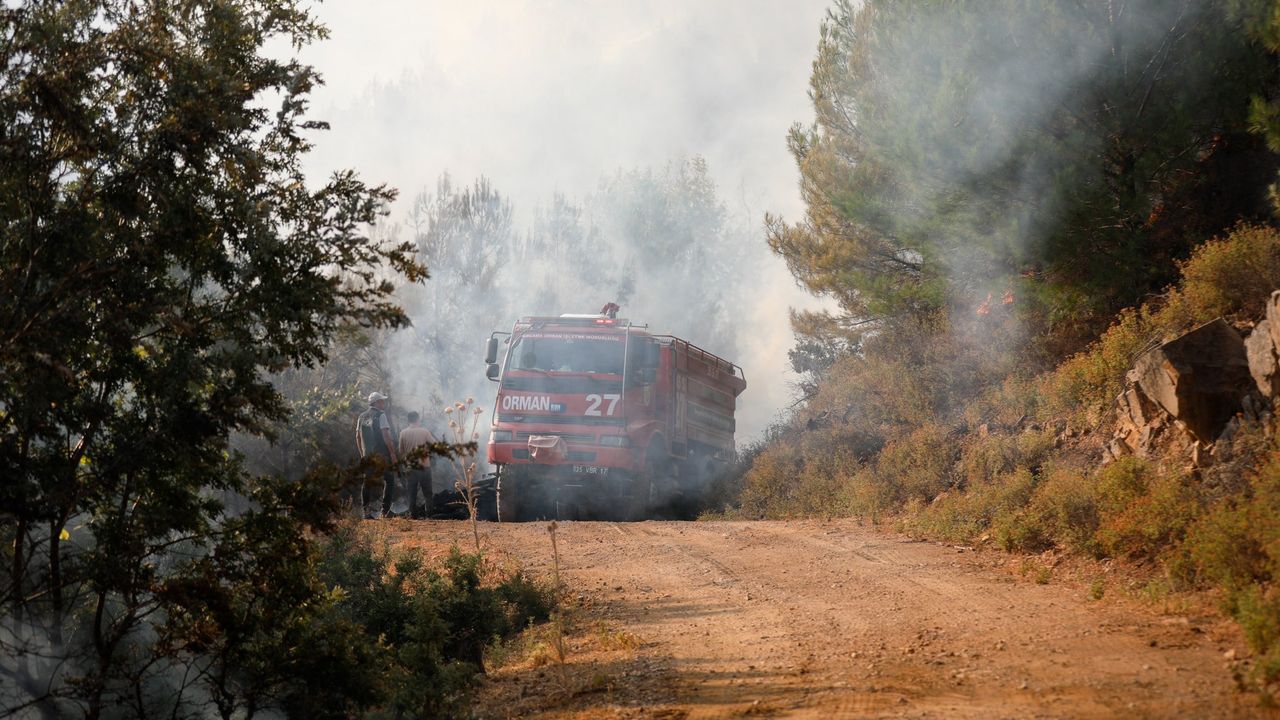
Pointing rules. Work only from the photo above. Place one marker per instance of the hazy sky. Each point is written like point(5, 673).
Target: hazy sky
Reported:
point(550, 95)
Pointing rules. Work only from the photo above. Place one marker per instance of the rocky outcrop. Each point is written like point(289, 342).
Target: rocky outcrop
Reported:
point(1261, 353)
point(1183, 396)
point(1142, 426)
point(1263, 348)
point(1200, 378)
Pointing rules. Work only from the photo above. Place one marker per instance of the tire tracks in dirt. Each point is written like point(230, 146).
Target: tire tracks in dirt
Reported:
point(832, 619)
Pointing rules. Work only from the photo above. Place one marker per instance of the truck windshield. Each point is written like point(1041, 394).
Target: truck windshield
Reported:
point(568, 354)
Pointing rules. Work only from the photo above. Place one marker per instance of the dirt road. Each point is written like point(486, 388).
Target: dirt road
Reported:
point(829, 619)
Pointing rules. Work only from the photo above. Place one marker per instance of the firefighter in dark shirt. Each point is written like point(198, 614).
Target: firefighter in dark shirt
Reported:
point(373, 437)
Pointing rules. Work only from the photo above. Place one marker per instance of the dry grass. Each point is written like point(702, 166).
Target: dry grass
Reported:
point(610, 639)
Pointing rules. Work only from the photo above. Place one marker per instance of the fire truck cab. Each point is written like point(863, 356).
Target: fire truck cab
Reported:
point(597, 418)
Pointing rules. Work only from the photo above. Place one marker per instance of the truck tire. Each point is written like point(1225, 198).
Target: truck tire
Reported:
point(696, 484)
point(639, 500)
point(508, 498)
point(634, 506)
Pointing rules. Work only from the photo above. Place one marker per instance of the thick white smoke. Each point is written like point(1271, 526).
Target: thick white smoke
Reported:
point(547, 99)
point(657, 241)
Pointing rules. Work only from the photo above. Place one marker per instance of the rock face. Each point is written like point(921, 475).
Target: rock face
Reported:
point(1261, 353)
point(1184, 395)
point(1142, 425)
point(1200, 378)
point(1263, 347)
point(1190, 396)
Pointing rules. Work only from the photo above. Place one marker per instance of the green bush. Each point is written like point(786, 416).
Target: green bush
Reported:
point(1257, 609)
point(430, 624)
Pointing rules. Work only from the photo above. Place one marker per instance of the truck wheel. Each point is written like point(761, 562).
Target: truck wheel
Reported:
point(696, 486)
point(639, 502)
point(627, 501)
point(508, 498)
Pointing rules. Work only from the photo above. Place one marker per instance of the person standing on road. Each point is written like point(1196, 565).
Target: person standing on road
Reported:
point(412, 438)
point(373, 437)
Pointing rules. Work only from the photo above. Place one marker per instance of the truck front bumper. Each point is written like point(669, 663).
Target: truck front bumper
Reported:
point(577, 456)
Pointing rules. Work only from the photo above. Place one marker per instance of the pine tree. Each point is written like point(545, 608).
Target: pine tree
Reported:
point(1061, 154)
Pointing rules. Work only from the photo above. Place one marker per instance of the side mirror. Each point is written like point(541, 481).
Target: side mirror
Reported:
point(492, 371)
point(491, 351)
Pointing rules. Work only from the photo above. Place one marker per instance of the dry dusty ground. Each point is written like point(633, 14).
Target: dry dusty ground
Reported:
point(829, 619)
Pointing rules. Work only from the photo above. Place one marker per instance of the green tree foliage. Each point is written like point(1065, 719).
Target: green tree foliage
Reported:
point(1261, 20)
point(1066, 152)
point(161, 254)
point(676, 249)
point(465, 234)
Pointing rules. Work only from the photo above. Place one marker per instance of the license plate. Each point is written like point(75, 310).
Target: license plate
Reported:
point(590, 470)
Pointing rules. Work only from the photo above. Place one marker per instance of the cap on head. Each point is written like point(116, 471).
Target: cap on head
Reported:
point(375, 396)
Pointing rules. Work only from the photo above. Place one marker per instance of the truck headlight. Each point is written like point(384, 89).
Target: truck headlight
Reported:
point(615, 441)
point(498, 436)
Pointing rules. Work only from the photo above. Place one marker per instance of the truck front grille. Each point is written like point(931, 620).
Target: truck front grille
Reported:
point(568, 437)
point(573, 456)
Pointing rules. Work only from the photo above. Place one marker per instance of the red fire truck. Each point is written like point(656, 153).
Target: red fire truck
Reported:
point(597, 418)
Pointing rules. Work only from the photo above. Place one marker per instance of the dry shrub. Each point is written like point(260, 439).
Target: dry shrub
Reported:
point(1020, 526)
point(982, 460)
point(1093, 378)
point(1060, 511)
point(1228, 276)
point(1143, 512)
point(967, 516)
point(809, 476)
point(866, 496)
point(608, 638)
point(770, 483)
point(1014, 400)
point(1236, 545)
point(919, 465)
